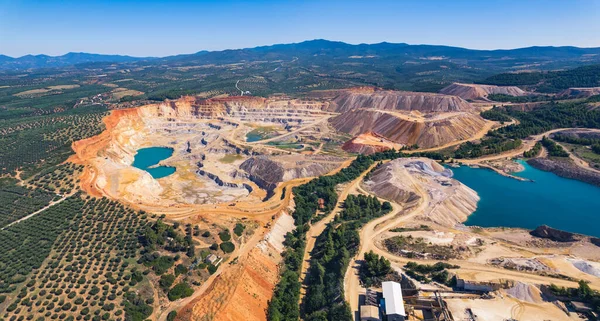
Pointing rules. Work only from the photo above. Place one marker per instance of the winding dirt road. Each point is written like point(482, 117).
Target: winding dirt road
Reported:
point(318, 228)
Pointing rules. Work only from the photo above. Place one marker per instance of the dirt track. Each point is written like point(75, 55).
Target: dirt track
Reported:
point(319, 227)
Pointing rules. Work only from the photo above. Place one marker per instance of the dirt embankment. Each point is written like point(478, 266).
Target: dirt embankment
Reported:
point(579, 92)
point(564, 168)
point(374, 98)
point(403, 180)
point(431, 132)
point(369, 143)
point(243, 291)
point(89, 148)
point(480, 92)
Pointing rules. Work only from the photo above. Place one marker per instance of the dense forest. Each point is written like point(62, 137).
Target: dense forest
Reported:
point(553, 148)
point(551, 81)
point(331, 256)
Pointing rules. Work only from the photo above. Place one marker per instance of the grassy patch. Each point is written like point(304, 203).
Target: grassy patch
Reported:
point(230, 158)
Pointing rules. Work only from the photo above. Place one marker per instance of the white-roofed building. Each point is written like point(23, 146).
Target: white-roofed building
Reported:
point(393, 303)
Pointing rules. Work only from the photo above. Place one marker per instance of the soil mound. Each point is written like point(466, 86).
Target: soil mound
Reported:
point(427, 132)
point(525, 292)
point(369, 143)
point(407, 180)
point(480, 92)
point(373, 98)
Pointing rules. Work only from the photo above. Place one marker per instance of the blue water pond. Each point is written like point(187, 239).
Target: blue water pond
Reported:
point(561, 203)
point(147, 159)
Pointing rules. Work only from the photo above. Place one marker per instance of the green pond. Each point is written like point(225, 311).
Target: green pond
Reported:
point(253, 137)
point(147, 159)
point(561, 203)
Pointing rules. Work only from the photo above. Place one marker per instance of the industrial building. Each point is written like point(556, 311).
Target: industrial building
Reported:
point(392, 304)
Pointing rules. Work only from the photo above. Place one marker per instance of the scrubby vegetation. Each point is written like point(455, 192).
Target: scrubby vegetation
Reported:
point(426, 273)
point(582, 293)
point(410, 246)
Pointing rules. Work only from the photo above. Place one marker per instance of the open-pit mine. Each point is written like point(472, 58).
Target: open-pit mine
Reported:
point(216, 163)
point(238, 159)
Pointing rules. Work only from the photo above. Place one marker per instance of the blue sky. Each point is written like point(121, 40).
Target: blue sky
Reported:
point(155, 28)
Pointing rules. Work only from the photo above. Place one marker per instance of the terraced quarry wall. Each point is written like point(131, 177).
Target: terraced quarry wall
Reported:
point(208, 139)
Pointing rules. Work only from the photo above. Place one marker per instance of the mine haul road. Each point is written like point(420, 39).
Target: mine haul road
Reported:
point(318, 228)
point(527, 145)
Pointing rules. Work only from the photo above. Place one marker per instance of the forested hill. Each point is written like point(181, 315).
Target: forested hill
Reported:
point(69, 59)
point(325, 51)
point(551, 81)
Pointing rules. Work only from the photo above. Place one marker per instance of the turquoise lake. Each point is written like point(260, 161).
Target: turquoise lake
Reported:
point(148, 157)
point(561, 203)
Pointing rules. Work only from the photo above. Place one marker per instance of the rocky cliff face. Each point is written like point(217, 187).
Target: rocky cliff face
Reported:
point(409, 180)
point(553, 234)
point(566, 169)
point(480, 92)
point(579, 92)
point(268, 171)
point(372, 98)
point(435, 131)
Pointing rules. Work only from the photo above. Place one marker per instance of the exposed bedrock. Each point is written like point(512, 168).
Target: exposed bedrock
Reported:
point(368, 97)
point(478, 92)
point(553, 234)
point(579, 92)
point(268, 171)
point(566, 169)
point(405, 180)
point(432, 132)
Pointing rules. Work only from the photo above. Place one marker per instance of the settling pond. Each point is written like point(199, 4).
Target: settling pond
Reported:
point(147, 159)
point(561, 203)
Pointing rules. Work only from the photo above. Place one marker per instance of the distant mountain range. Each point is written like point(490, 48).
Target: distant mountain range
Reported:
point(319, 50)
point(72, 58)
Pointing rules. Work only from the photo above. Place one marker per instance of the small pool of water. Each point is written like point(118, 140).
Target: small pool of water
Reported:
point(253, 137)
point(559, 202)
point(147, 159)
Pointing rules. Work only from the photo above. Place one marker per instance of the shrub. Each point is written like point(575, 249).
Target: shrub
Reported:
point(181, 290)
point(225, 236)
point(239, 229)
point(227, 247)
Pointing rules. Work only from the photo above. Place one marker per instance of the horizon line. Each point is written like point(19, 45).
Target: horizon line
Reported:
point(294, 43)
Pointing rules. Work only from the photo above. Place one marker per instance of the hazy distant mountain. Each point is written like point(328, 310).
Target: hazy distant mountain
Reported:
point(72, 58)
point(324, 51)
